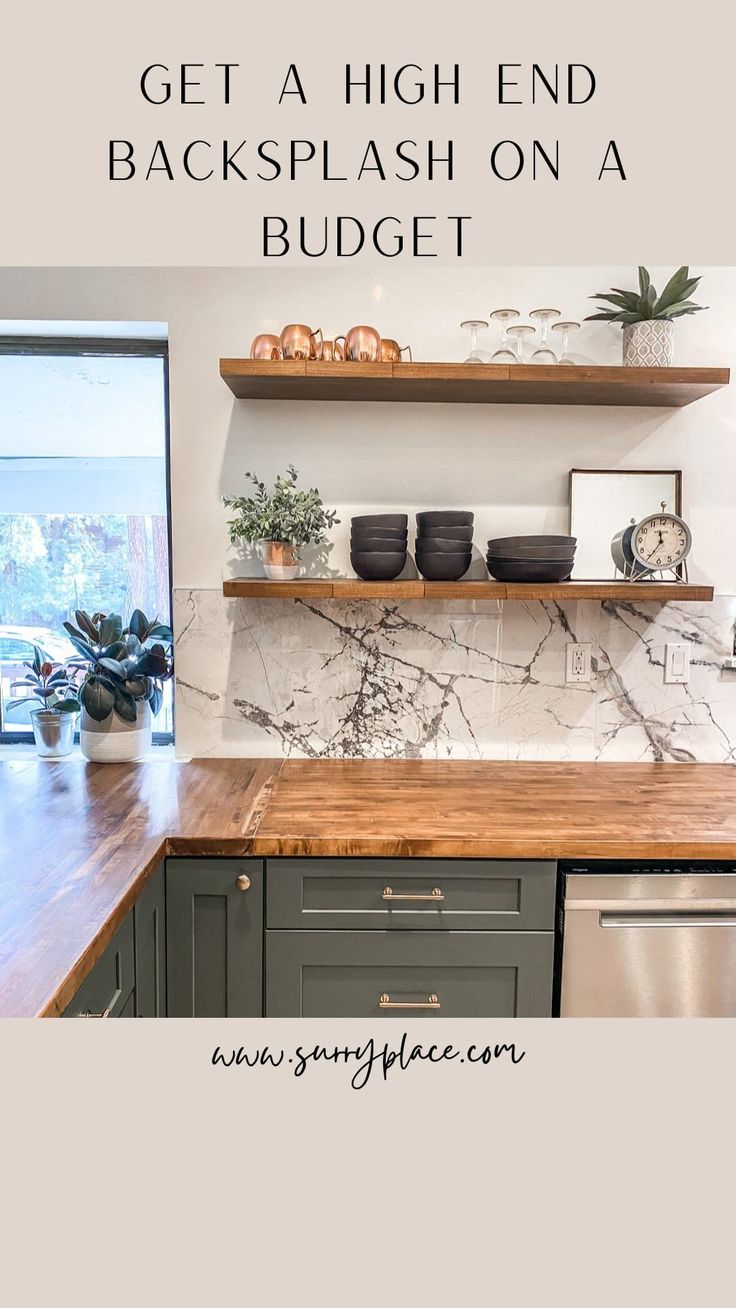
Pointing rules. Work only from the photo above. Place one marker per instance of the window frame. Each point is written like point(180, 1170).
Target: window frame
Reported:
point(103, 347)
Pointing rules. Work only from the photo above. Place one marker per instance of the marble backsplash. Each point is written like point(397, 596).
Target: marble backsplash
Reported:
point(475, 679)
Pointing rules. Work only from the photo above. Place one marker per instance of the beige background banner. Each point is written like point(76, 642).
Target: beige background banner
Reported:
point(598, 1170)
point(71, 84)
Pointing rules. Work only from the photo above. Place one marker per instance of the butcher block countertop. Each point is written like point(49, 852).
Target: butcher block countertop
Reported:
point(79, 841)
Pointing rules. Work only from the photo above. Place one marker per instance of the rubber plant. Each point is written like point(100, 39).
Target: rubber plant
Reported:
point(645, 305)
point(121, 666)
point(48, 686)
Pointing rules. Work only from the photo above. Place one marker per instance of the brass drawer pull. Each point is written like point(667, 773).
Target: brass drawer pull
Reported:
point(243, 881)
point(436, 896)
point(385, 1001)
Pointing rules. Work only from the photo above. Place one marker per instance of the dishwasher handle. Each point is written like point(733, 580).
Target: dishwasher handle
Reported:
point(686, 918)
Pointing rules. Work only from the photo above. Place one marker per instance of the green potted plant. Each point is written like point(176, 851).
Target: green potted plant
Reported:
point(280, 521)
point(121, 671)
point(49, 686)
point(648, 318)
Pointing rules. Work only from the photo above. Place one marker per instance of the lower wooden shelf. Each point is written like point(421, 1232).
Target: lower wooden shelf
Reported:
point(658, 592)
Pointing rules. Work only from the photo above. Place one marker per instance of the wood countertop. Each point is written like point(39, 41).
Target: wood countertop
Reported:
point(79, 841)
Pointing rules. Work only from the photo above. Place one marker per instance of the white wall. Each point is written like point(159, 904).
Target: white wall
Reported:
point(510, 464)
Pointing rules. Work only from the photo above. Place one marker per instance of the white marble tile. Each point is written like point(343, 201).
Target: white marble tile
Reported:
point(466, 679)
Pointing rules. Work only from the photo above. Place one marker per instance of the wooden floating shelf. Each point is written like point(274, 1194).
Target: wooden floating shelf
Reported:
point(459, 383)
point(658, 592)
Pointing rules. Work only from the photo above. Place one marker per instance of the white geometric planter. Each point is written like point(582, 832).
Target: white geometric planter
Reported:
point(116, 741)
point(649, 344)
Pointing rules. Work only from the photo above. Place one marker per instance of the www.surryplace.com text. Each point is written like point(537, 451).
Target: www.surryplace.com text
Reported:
point(365, 1058)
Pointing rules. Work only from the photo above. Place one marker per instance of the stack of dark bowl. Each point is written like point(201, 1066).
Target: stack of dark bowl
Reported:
point(378, 545)
point(531, 558)
point(444, 544)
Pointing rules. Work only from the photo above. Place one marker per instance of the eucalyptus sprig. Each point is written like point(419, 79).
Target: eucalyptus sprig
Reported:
point(286, 513)
point(645, 305)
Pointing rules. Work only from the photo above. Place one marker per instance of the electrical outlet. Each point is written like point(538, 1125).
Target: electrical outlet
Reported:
point(677, 662)
point(577, 664)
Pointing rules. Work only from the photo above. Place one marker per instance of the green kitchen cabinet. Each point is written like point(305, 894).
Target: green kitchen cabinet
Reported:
point(109, 989)
point(149, 917)
point(409, 974)
point(380, 894)
point(214, 928)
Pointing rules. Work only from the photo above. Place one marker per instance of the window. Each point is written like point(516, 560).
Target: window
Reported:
point(84, 497)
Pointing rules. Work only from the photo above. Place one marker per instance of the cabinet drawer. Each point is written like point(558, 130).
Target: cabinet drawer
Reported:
point(451, 894)
point(361, 974)
point(108, 990)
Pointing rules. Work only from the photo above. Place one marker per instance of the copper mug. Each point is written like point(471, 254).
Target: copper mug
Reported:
point(265, 346)
point(391, 351)
point(331, 352)
point(362, 345)
point(299, 342)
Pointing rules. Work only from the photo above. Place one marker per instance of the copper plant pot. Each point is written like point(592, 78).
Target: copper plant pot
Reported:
point(265, 346)
point(299, 342)
point(391, 351)
point(280, 560)
point(362, 345)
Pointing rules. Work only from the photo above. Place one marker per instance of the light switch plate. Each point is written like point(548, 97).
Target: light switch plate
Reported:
point(577, 664)
point(677, 662)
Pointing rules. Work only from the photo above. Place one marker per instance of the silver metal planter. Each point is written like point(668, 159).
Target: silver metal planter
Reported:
point(53, 732)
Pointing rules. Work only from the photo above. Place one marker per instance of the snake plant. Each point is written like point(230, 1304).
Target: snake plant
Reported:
point(645, 304)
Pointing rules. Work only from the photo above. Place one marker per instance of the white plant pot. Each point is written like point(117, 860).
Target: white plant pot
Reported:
point(116, 741)
point(649, 344)
point(280, 560)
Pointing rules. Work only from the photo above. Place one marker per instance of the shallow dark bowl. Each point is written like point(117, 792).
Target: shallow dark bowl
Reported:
point(396, 541)
point(508, 542)
point(391, 533)
point(378, 565)
point(540, 552)
point(442, 567)
point(445, 518)
point(438, 545)
point(528, 571)
point(445, 532)
point(377, 545)
point(400, 520)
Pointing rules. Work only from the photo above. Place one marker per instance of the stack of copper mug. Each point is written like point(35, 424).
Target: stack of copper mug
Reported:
point(359, 345)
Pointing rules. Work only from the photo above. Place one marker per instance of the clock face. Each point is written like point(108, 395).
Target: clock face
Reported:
point(661, 541)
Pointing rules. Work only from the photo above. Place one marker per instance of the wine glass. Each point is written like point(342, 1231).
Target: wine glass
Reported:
point(504, 353)
point(565, 328)
point(544, 353)
point(518, 333)
point(475, 325)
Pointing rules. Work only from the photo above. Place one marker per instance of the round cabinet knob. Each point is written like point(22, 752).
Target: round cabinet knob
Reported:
point(243, 882)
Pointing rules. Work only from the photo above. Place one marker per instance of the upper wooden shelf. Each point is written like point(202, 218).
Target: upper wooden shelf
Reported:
point(657, 592)
point(461, 383)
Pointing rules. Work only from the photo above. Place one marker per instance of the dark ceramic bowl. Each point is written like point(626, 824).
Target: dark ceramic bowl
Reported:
point(391, 533)
point(529, 571)
point(378, 565)
point(377, 544)
point(400, 520)
point(445, 518)
point(446, 533)
point(395, 542)
point(442, 567)
point(438, 545)
point(541, 552)
point(509, 542)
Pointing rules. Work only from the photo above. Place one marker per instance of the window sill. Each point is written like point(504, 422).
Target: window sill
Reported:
point(24, 749)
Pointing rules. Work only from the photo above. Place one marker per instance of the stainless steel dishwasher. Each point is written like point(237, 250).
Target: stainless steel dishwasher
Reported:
point(648, 941)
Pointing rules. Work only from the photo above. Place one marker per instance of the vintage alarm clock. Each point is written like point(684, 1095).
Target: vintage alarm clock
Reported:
point(661, 542)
